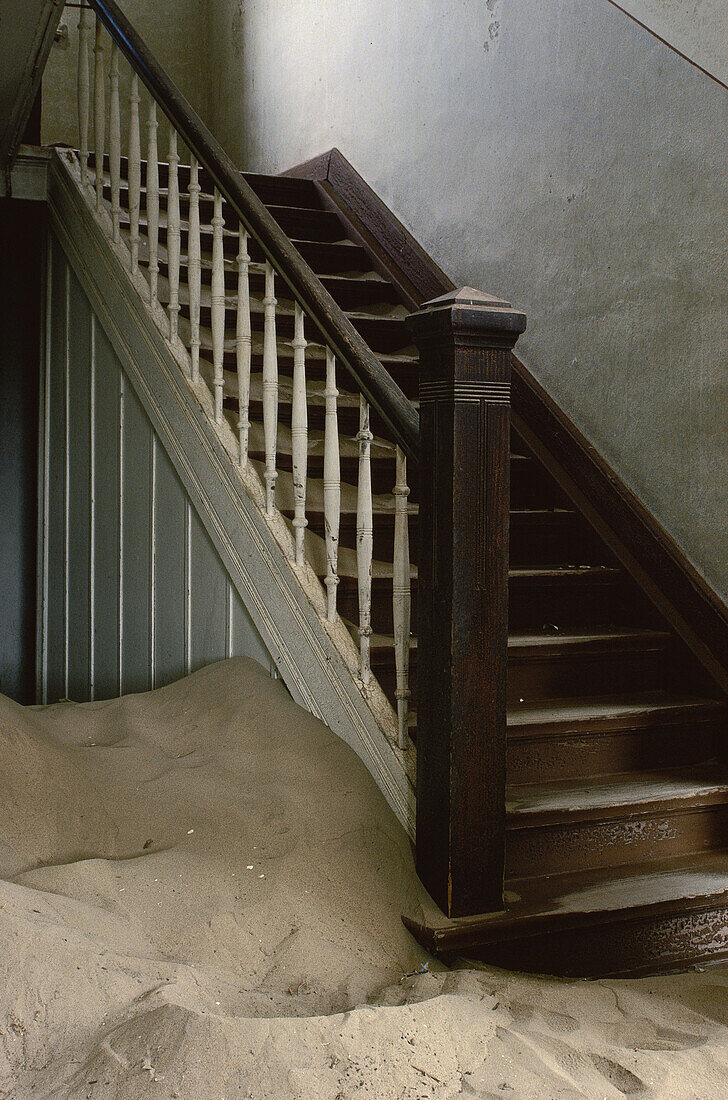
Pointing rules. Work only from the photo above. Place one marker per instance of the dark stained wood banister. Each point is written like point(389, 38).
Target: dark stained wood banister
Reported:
point(375, 382)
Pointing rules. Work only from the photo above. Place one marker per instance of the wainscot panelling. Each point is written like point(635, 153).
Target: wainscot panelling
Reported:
point(133, 594)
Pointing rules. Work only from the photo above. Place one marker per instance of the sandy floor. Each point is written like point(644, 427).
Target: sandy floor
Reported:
point(200, 898)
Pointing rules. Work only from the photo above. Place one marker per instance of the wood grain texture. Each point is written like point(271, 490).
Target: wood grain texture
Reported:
point(639, 541)
point(463, 587)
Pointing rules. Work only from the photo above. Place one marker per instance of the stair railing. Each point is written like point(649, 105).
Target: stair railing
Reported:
point(462, 452)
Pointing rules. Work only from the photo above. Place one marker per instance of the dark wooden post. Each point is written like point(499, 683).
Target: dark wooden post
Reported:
point(465, 340)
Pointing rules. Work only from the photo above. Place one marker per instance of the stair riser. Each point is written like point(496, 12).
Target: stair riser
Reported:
point(527, 551)
point(278, 190)
point(625, 944)
point(630, 838)
point(382, 335)
point(532, 603)
point(560, 540)
point(572, 757)
point(382, 471)
point(559, 677)
point(348, 420)
point(323, 257)
point(531, 487)
point(406, 375)
point(572, 603)
point(350, 294)
point(302, 224)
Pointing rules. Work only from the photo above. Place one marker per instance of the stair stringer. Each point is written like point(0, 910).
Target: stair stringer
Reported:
point(317, 660)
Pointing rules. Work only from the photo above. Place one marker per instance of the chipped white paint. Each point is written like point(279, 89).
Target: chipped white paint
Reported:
point(152, 200)
point(364, 539)
point(299, 433)
point(85, 23)
point(243, 345)
point(173, 234)
point(401, 597)
point(332, 485)
point(99, 112)
point(135, 174)
point(270, 388)
point(115, 141)
point(194, 268)
point(217, 305)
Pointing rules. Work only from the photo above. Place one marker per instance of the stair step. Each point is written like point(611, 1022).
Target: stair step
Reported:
point(308, 222)
point(538, 537)
point(287, 190)
point(563, 739)
point(640, 918)
point(601, 821)
point(565, 597)
point(324, 257)
point(563, 666)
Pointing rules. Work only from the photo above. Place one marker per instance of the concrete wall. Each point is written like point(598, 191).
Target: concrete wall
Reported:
point(556, 154)
point(697, 28)
point(134, 594)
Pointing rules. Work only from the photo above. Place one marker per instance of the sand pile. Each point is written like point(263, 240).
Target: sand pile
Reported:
point(200, 898)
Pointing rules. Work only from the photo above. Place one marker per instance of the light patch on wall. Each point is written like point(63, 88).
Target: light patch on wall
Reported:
point(494, 9)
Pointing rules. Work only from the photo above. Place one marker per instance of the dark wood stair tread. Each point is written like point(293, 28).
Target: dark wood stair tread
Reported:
point(586, 715)
point(572, 914)
point(612, 795)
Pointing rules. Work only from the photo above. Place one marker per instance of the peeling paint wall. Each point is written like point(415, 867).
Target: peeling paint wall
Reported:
point(556, 154)
point(697, 28)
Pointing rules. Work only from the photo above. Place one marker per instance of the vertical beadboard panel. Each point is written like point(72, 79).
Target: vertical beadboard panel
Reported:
point(53, 686)
point(170, 515)
point(208, 599)
point(136, 593)
point(106, 573)
point(78, 565)
point(244, 638)
point(136, 521)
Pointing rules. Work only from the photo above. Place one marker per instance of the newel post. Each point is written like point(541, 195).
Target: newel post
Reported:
point(465, 340)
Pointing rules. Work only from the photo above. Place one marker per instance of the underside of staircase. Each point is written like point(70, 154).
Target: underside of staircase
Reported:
point(617, 795)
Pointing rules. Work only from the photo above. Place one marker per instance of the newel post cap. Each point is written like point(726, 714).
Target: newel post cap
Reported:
point(469, 312)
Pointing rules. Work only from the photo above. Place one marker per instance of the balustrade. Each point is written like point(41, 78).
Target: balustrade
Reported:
point(185, 236)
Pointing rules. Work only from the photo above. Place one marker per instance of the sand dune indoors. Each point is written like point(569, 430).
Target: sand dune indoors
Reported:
point(201, 896)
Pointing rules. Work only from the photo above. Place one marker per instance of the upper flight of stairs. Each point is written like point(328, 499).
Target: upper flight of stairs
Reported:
point(617, 796)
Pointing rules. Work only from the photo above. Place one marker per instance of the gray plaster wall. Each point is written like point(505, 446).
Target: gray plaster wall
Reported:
point(697, 28)
point(556, 154)
point(133, 594)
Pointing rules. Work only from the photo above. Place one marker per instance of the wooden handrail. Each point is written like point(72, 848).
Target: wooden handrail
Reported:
point(374, 381)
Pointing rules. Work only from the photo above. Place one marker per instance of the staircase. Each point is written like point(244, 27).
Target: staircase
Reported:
point(615, 798)
point(616, 804)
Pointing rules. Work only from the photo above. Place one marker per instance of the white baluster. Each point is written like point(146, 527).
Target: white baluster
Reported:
point(270, 388)
point(402, 597)
point(152, 200)
point(115, 140)
point(99, 112)
point(243, 345)
point(135, 171)
point(299, 432)
point(85, 21)
point(364, 538)
point(173, 234)
point(332, 485)
point(194, 269)
point(217, 306)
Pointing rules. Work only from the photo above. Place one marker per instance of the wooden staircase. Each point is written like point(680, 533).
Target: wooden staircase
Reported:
point(617, 796)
